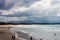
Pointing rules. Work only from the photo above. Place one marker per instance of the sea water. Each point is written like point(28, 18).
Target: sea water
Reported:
point(44, 32)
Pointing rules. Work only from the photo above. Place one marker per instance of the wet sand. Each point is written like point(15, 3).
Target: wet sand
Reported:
point(6, 34)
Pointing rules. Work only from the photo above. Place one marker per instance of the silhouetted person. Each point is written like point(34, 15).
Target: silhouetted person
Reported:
point(31, 38)
point(55, 34)
point(13, 37)
point(40, 39)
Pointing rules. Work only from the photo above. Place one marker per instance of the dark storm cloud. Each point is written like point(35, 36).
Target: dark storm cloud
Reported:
point(2, 3)
point(26, 3)
point(32, 11)
point(6, 4)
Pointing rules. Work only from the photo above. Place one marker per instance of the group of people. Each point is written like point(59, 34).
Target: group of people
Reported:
point(31, 38)
point(13, 37)
point(42, 39)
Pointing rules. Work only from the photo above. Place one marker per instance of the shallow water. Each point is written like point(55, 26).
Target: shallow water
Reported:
point(44, 32)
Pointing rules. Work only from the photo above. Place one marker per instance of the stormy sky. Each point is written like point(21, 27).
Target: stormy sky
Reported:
point(30, 11)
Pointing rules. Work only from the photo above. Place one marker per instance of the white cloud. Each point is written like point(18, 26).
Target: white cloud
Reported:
point(7, 19)
point(58, 13)
point(17, 18)
point(36, 9)
point(44, 4)
point(41, 7)
point(21, 9)
point(46, 8)
point(6, 12)
point(14, 10)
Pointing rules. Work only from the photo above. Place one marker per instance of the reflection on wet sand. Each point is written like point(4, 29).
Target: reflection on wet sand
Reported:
point(29, 32)
point(6, 34)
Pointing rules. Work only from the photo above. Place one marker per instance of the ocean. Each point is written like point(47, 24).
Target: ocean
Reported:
point(44, 32)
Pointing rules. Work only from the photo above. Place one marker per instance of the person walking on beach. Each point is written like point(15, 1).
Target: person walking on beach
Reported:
point(55, 34)
point(40, 39)
point(13, 37)
point(31, 38)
